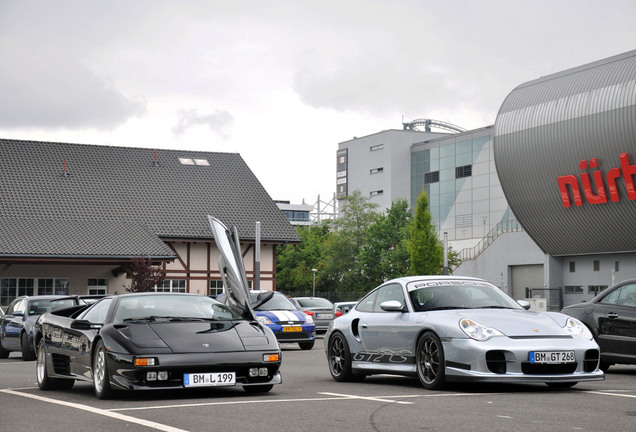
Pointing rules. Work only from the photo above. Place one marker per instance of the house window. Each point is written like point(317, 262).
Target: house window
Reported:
point(376, 193)
point(97, 286)
point(376, 147)
point(572, 266)
point(615, 266)
point(573, 289)
point(597, 265)
point(10, 288)
point(431, 177)
point(216, 288)
point(172, 285)
point(376, 170)
point(463, 171)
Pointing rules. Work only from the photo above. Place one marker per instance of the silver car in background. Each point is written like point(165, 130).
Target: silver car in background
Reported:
point(319, 308)
point(448, 328)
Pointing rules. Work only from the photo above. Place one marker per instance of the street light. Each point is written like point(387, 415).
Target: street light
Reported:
point(314, 291)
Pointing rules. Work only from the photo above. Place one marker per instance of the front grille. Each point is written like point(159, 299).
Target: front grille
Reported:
point(292, 335)
point(496, 361)
point(591, 360)
point(547, 369)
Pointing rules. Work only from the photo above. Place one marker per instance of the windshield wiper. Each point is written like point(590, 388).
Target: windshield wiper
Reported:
point(494, 307)
point(447, 308)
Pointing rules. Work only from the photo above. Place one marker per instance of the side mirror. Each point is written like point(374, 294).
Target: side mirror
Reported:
point(85, 325)
point(392, 306)
point(524, 304)
point(18, 313)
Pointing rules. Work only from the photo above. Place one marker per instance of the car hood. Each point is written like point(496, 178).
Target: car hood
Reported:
point(284, 316)
point(515, 322)
point(197, 336)
point(231, 268)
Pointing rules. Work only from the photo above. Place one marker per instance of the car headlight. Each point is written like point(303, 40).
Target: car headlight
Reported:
point(264, 320)
point(576, 327)
point(309, 319)
point(476, 331)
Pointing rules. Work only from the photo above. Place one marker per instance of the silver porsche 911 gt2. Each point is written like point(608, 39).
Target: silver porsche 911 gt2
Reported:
point(451, 328)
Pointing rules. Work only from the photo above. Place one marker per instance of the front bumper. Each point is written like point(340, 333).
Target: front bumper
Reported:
point(502, 359)
point(125, 376)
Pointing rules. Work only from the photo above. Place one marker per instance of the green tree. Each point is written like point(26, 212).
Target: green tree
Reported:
point(386, 254)
point(295, 262)
point(343, 268)
point(426, 249)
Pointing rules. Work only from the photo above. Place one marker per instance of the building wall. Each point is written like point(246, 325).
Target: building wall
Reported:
point(197, 265)
point(387, 150)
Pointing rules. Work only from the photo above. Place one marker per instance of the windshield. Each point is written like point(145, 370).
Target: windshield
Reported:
point(463, 295)
point(172, 307)
point(314, 302)
point(277, 302)
point(43, 306)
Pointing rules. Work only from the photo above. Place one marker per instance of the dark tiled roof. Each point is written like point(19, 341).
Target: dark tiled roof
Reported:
point(123, 193)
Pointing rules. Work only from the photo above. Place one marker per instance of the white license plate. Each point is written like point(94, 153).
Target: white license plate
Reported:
point(208, 379)
point(552, 357)
point(324, 316)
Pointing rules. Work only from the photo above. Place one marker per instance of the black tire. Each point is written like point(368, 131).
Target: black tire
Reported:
point(258, 388)
point(3, 352)
point(604, 366)
point(306, 345)
point(561, 385)
point(429, 361)
point(339, 359)
point(27, 354)
point(101, 376)
point(41, 372)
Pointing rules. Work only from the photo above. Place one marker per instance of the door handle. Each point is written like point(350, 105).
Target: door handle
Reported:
point(364, 325)
point(612, 315)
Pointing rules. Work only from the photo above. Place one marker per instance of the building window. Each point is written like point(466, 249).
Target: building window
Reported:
point(595, 289)
point(573, 289)
point(190, 161)
point(97, 286)
point(376, 147)
point(376, 193)
point(615, 266)
point(597, 265)
point(172, 285)
point(10, 288)
point(216, 288)
point(431, 177)
point(572, 266)
point(463, 171)
point(376, 170)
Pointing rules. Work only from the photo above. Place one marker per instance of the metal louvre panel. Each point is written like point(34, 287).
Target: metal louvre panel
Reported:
point(545, 129)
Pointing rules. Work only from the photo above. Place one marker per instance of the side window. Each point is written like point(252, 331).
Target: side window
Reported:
point(21, 306)
point(97, 313)
point(12, 307)
point(366, 304)
point(628, 295)
point(389, 292)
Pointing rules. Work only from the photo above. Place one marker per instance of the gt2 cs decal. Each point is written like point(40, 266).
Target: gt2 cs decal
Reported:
point(385, 356)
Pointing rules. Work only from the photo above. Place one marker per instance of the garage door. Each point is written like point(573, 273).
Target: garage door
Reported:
point(523, 276)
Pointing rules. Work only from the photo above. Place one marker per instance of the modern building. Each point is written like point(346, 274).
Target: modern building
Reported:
point(296, 214)
point(73, 218)
point(543, 202)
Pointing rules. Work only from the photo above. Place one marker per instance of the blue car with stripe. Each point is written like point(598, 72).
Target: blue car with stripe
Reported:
point(289, 324)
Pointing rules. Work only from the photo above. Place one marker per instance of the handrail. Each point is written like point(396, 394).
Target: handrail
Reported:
point(509, 225)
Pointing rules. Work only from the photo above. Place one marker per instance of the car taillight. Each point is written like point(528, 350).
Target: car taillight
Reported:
point(309, 313)
point(339, 312)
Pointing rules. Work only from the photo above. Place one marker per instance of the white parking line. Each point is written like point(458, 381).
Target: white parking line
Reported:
point(150, 424)
point(377, 399)
point(611, 394)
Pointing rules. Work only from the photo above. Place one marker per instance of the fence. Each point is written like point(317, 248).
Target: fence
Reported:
point(554, 297)
point(332, 296)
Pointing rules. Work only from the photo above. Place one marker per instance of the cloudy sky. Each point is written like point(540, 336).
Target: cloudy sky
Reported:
point(281, 82)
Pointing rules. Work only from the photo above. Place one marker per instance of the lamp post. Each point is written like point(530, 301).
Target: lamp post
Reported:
point(314, 289)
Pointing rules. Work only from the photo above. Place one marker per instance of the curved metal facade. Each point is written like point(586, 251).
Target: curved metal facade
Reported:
point(565, 153)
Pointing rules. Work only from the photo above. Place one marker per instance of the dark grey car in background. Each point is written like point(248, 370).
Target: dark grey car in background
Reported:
point(319, 308)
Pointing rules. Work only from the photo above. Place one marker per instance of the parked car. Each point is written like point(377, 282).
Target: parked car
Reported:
point(17, 325)
point(448, 328)
point(319, 308)
point(341, 308)
point(150, 341)
point(611, 317)
point(289, 324)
